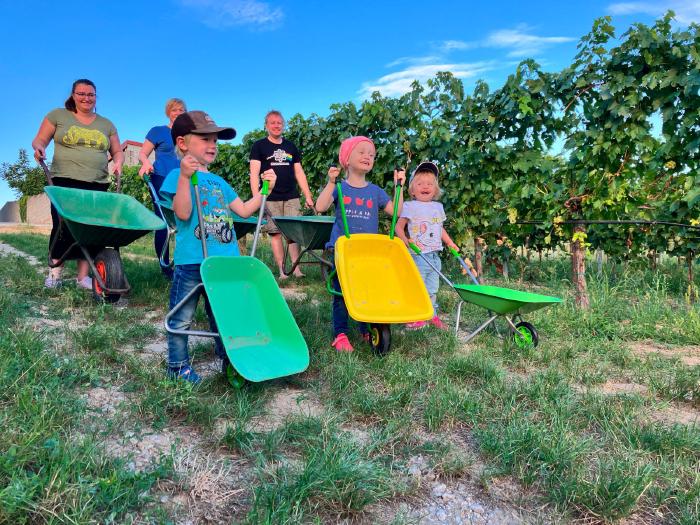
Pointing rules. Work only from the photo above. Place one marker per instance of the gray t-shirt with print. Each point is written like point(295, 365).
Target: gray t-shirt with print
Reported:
point(424, 224)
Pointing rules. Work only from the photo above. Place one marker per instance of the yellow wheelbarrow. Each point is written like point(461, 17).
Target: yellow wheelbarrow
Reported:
point(380, 283)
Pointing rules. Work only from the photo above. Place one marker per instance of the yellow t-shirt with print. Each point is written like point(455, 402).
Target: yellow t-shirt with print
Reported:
point(80, 150)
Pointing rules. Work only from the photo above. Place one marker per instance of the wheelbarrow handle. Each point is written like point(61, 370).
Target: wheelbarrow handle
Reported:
point(398, 189)
point(341, 203)
point(419, 252)
point(264, 191)
point(464, 265)
point(200, 218)
point(49, 180)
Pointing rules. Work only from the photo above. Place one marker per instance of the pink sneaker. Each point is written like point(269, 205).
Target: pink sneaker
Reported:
point(437, 323)
point(342, 344)
point(416, 326)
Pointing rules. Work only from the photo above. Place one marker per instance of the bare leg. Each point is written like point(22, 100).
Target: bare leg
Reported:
point(83, 269)
point(294, 254)
point(278, 252)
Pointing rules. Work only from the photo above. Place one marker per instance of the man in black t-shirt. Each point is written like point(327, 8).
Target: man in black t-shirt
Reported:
point(276, 153)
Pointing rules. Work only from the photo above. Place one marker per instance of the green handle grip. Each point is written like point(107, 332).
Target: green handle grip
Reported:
point(195, 178)
point(265, 188)
point(414, 248)
point(454, 252)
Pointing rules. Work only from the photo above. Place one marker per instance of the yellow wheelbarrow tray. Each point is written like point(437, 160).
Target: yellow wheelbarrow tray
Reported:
point(379, 280)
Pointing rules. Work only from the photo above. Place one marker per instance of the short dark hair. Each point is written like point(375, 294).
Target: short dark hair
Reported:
point(70, 103)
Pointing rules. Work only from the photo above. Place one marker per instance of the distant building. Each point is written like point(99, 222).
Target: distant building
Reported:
point(131, 150)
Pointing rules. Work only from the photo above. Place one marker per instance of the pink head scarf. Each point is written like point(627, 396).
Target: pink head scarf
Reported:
point(347, 146)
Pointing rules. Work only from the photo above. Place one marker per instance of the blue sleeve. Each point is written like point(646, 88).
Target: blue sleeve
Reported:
point(152, 136)
point(382, 198)
point(169, 187)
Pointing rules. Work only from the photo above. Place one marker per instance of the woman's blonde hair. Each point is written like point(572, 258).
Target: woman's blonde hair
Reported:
point(425, 173)
point(172, 102)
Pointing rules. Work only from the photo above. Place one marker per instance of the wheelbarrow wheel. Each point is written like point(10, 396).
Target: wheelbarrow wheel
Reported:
point(234, 379)
point(380, 338)
point(526, 336)
point(108, 264)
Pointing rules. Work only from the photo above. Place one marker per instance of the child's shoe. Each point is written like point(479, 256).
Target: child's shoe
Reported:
point(342, 344)
point(186, 373)
point(437, 323)
point(85, 282)
point(51, 282)
point(416, 326)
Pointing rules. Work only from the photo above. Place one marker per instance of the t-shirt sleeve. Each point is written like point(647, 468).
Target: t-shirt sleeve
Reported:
point(406, 210)
point(169, 187)
point(229, 193)
point(255, 153)
point(152, 136)
point(382, 198)
point(442, 212)
point(296, 155)
point(54, 115)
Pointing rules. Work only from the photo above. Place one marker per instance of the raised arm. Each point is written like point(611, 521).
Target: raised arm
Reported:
point(249, 207)
point(325, 198)
point(255, 177)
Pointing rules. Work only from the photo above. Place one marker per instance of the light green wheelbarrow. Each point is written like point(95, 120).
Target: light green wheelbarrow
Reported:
point(258, 331)
point(500, 302)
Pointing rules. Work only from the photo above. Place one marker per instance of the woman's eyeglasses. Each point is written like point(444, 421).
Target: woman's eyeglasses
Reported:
point(86, 95)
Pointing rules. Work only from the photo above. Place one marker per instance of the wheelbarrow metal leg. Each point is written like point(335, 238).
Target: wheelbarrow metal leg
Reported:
point(177, 308)
point(483, 325)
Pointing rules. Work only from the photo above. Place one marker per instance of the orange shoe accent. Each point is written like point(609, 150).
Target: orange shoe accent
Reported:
point(437, 323)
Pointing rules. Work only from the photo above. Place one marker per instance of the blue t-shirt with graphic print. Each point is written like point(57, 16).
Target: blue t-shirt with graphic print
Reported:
point(162, 140)
point(362, 207)
point(215, 195)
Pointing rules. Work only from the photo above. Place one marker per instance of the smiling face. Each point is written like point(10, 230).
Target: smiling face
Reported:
point(361, 157)
point(424, 186)
point(201, 147)
point(84, 98)
point(174, 111)
point(274, 124)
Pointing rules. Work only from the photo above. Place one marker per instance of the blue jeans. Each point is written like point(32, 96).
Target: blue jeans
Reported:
point(340, 312)
point(186, 277)
point(430, 276)
point(160, 235)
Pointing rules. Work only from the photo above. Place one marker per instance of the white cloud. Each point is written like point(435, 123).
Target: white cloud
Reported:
point(228, 13)
point(396, 84)
point(687, 11)
point(520, 43)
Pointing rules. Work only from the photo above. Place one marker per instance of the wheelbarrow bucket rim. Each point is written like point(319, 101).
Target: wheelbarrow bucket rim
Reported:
point(503, 301)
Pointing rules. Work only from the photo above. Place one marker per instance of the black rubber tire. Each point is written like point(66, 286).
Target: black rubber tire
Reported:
point(108, 263)
point(529, 331)
point(380, 338)
point(226, 234)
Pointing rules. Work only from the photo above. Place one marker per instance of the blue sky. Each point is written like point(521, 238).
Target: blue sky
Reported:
point(237, 59)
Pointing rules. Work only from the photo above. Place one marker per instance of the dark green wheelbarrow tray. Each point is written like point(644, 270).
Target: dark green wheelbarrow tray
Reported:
point(101, 223)
point(500, 302)
point(311, 233)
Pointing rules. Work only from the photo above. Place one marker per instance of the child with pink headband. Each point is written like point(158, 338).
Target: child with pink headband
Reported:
point(362, 201)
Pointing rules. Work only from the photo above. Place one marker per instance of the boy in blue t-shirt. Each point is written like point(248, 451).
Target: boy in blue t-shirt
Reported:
point(195, 134)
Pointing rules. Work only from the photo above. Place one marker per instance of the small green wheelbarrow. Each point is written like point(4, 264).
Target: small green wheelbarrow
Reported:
point(500, 302)
point(100, 223)
point(258, 331)
point(311, 233)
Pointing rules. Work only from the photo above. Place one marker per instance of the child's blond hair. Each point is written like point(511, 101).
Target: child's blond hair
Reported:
point(425, 173)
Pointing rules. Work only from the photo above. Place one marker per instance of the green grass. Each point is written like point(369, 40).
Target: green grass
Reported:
point(538, 416)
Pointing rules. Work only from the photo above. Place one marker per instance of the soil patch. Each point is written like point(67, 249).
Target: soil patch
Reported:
point(614, 388)
point(675, 414)
point(285, 404)
point(688, 355)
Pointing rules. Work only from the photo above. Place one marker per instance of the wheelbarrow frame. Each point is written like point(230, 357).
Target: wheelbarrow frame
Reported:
point(317, 241)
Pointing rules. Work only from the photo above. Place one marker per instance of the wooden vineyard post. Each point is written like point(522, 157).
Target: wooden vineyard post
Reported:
point(692, 290)
point(578, 266)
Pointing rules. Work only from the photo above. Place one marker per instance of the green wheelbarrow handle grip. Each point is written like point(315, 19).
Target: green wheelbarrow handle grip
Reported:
point(329, 284)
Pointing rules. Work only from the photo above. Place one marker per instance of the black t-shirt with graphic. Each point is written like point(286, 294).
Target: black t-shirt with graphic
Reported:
point(281, 158)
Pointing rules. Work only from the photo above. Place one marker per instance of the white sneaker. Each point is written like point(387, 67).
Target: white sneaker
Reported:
point(85, 282)
point(50, 282)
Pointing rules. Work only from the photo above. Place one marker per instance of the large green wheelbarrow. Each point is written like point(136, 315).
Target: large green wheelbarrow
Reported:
point(258, 331)
point(312, 233)
point(239, 225)
point(101, 223)
point(499, 302)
